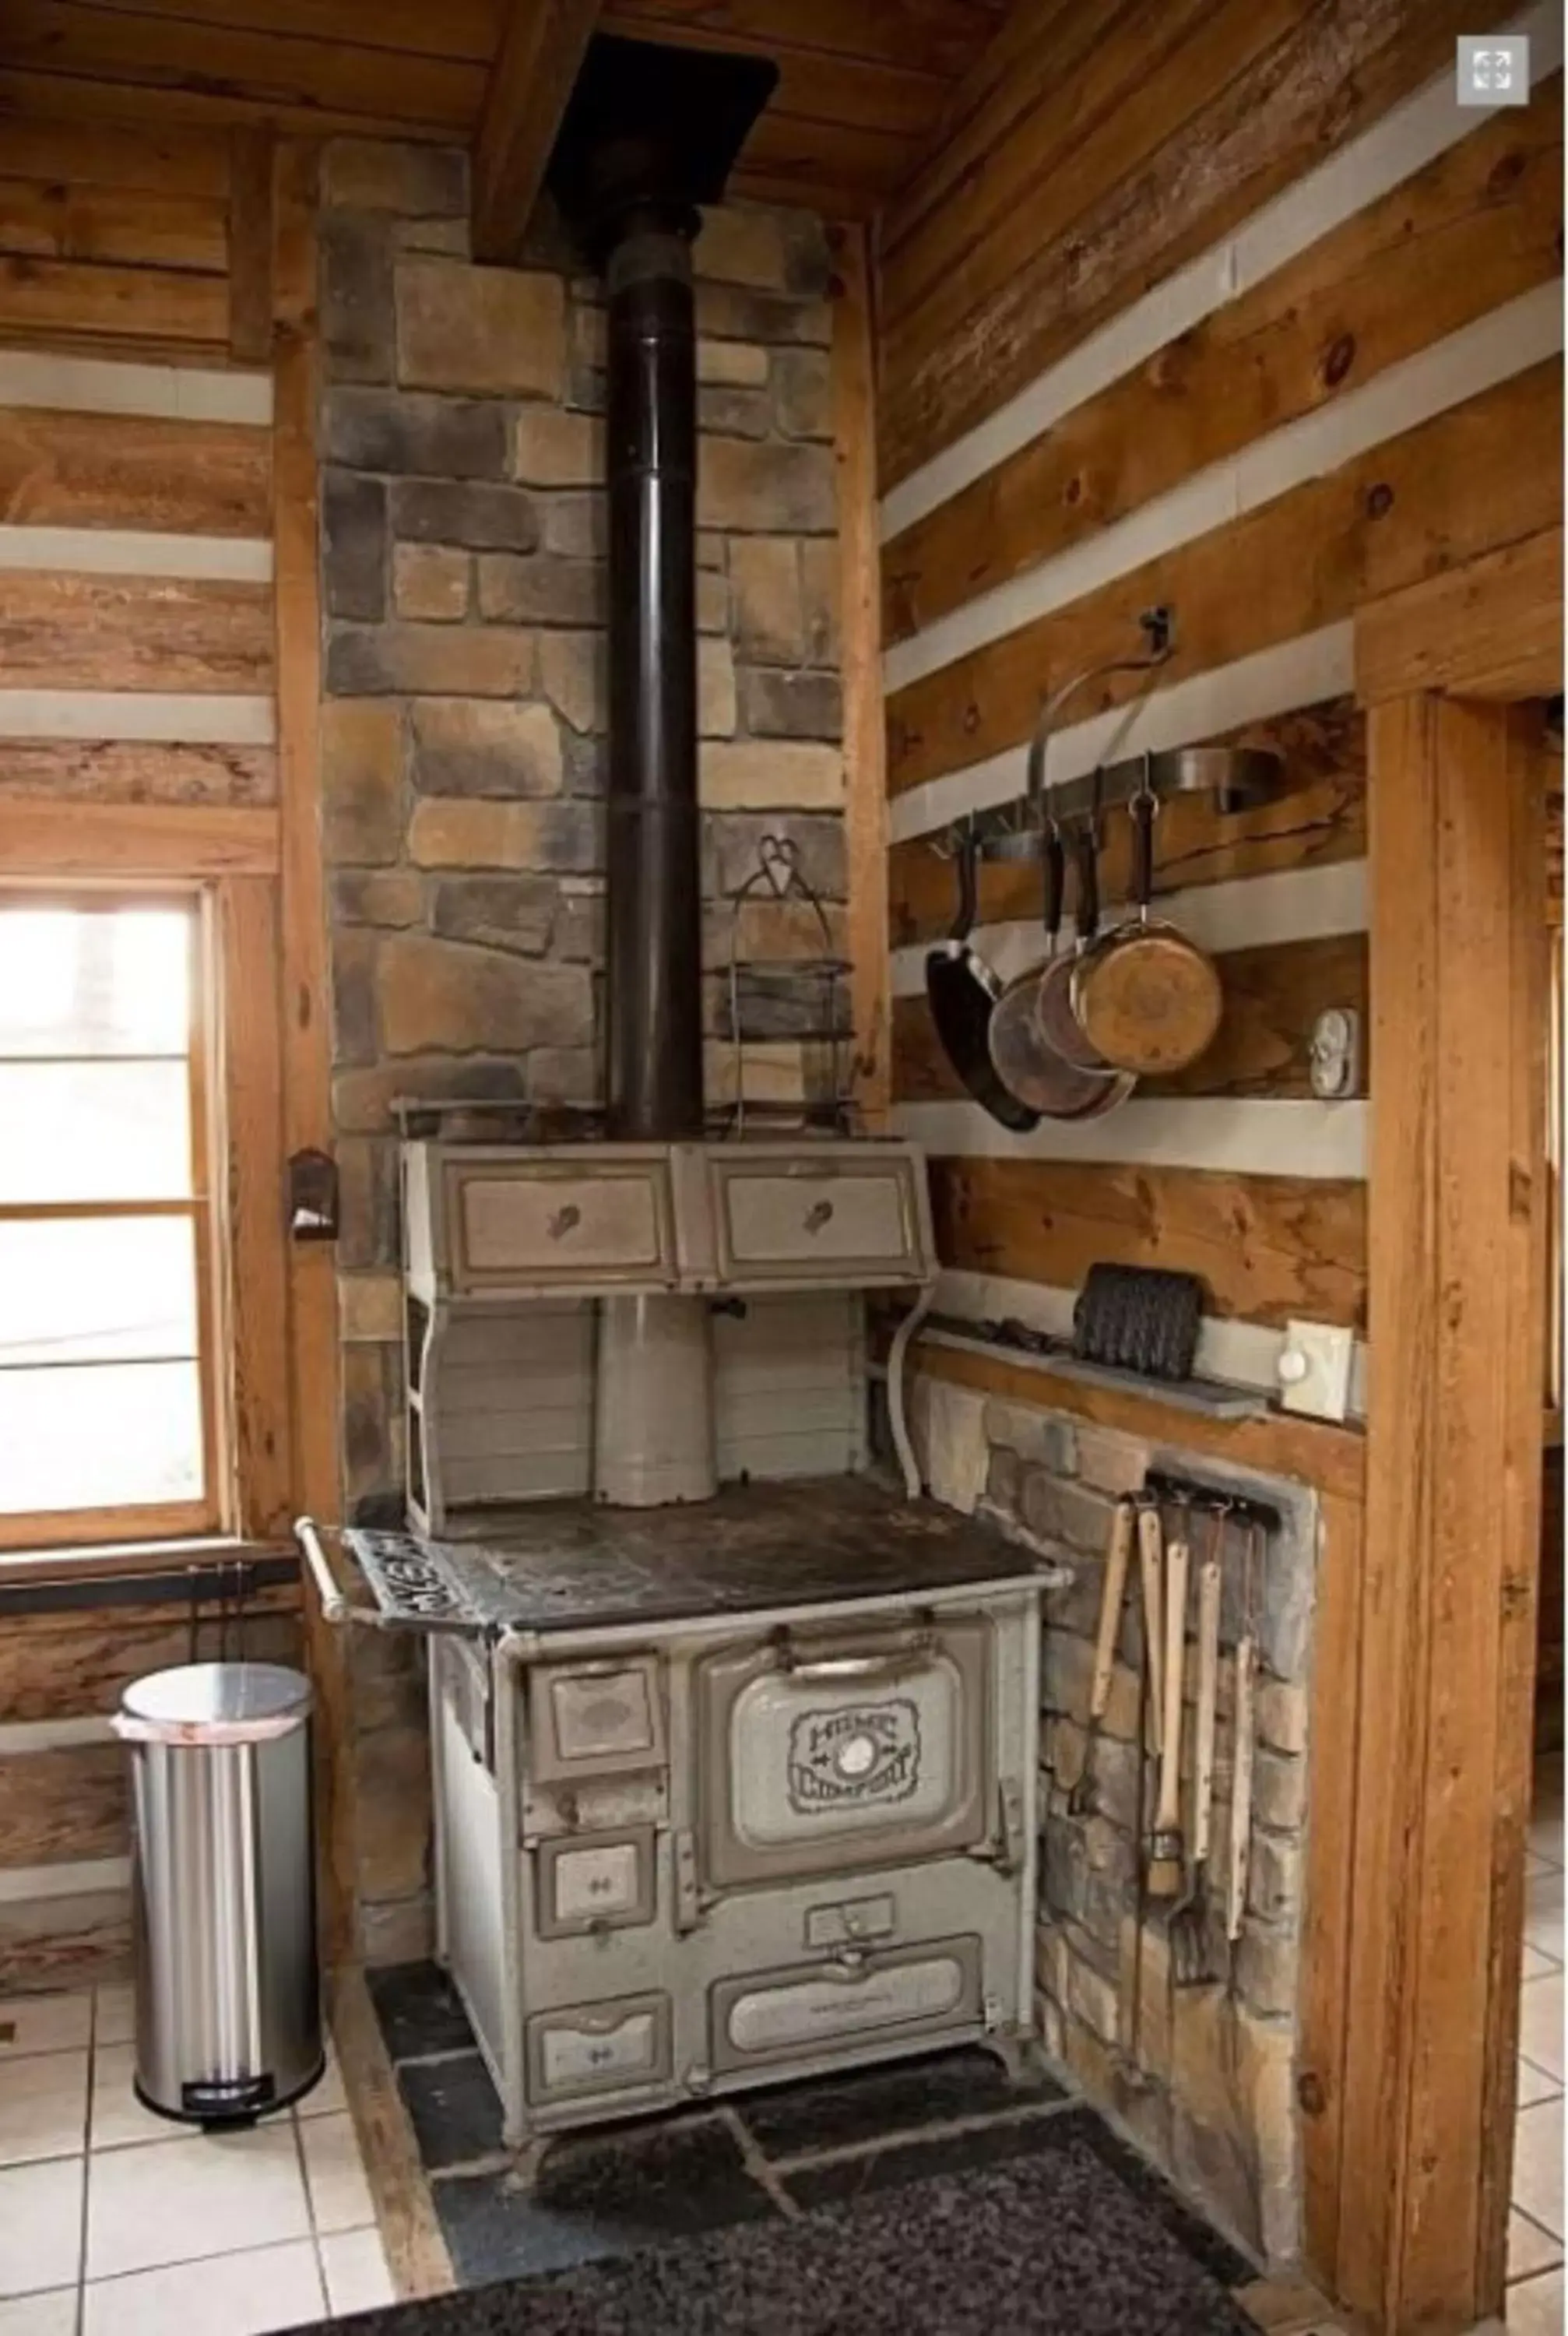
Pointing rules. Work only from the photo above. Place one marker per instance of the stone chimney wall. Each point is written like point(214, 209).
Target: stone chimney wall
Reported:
point(462, 737)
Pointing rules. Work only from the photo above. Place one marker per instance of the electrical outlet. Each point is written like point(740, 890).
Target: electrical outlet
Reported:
point(1336, 1052)
point(1314, 1369)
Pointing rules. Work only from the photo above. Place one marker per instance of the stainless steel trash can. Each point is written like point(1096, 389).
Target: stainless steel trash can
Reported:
point(228, 2003)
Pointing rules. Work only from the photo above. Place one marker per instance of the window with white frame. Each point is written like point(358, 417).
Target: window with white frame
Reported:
point(108, 1416)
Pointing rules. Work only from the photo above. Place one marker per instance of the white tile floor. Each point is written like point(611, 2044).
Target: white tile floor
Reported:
point(115, 2222)
point(1536, 2267)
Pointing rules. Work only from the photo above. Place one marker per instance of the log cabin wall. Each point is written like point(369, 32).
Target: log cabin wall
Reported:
point(1232, 309)
point(138, 744)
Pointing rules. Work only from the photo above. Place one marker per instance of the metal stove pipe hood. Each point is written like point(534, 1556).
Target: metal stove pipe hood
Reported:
point(650, 134)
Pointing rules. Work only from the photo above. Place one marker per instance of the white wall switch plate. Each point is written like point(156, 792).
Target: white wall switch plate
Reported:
point(1314, 1369)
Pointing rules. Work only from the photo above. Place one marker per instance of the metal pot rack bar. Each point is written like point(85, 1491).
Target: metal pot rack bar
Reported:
point(1168, 1490)
point(1239, 779)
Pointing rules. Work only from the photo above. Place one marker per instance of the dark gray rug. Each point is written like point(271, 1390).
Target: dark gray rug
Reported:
point(1051, 2244)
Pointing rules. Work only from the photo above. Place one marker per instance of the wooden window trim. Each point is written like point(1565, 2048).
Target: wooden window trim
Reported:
point(242, 1259)
point(120, 1521)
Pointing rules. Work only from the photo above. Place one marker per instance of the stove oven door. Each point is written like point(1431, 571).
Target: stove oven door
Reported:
point(819, 1755)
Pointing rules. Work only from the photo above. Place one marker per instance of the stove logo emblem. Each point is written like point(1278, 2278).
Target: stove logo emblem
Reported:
point(867, 1755)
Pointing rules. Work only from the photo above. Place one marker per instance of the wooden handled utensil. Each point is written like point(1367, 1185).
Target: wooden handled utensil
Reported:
point(1118, 1555)
point(1245, 1733)
point(1150, 1567)
point(1164, 1873)
point(1209, 1584)
point(1189, 1921)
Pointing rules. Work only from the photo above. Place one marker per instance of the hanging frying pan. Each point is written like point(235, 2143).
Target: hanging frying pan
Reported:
point(1145, 998)
point(1057, 1024)
point(1028, 1067)
point(962, 991)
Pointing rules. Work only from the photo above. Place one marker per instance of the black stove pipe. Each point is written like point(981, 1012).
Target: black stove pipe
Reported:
point(653, 975)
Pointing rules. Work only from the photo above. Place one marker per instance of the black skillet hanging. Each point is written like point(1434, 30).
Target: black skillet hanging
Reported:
point(963, 989)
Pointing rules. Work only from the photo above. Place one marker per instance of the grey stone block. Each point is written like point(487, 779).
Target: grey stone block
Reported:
point(1274, 1875)
point(730, 842)
point(377, 175)
point(1112, 1770)
point(543, 589)
point(356, 1027)
point(1213, 2164)
point(734, 413)
point(579, 928)
point(507, 912)
point(728, 312)
point(358, 329)
point(775, 704)
point(576, 525)
point(808, 263)
point(1057, 1509)
point(1003, 1479)
point(1279, 1790)
point(447, 661)
point(803, 393)
point(371, 1401)
point(354, 546)
point(391, 898)
point(1036, 1435)
point(1268, 1968)
point(564, 1075)
point(483, 517)
point(433, 437)
point(586, 765)
point(1109, 1462)
point(368, 1206)
point(1089, 1876)
point(783, 1005)
point(500, 747)
point(1076, 1606)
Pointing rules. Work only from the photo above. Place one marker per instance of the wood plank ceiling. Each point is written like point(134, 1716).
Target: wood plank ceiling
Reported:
point(863, 83)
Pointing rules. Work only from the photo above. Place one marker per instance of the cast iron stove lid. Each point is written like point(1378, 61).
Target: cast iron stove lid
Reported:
point(413, 1580)
point(558, 1565)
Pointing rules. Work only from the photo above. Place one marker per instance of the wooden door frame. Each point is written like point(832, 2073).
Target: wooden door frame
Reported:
point(1440, 1699)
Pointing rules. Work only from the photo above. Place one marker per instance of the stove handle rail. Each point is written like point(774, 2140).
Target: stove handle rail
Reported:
point(337, 1606)
point(888, 1662)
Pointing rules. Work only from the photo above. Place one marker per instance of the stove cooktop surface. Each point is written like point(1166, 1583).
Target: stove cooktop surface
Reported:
point(572, 1564)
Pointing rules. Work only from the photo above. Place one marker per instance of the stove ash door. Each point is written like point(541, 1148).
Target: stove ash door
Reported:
point(823, 1755)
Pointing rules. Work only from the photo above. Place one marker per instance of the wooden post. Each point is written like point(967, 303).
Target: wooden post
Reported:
point(307, 1051)
point(1442, 1695)
point(860, 657)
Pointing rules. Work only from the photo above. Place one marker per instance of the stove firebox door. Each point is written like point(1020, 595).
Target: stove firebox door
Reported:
point(823, 1755)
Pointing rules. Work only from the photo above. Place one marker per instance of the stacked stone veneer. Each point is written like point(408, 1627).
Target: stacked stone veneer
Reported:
point(1203, 2077)
point(463, 734)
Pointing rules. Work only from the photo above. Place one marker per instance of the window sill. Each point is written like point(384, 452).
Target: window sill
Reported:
point(125, 1572)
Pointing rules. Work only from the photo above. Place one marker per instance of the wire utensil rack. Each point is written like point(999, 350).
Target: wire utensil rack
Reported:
point(778, 876)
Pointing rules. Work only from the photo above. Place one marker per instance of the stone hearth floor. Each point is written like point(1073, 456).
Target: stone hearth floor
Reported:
point(755, 2156)
point(116, 2222)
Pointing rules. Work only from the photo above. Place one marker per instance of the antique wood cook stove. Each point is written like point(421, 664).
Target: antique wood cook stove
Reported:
point(734, 1751)
point(726, 1790)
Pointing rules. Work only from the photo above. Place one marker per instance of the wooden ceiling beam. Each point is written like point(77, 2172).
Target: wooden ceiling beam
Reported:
point(542, 51)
